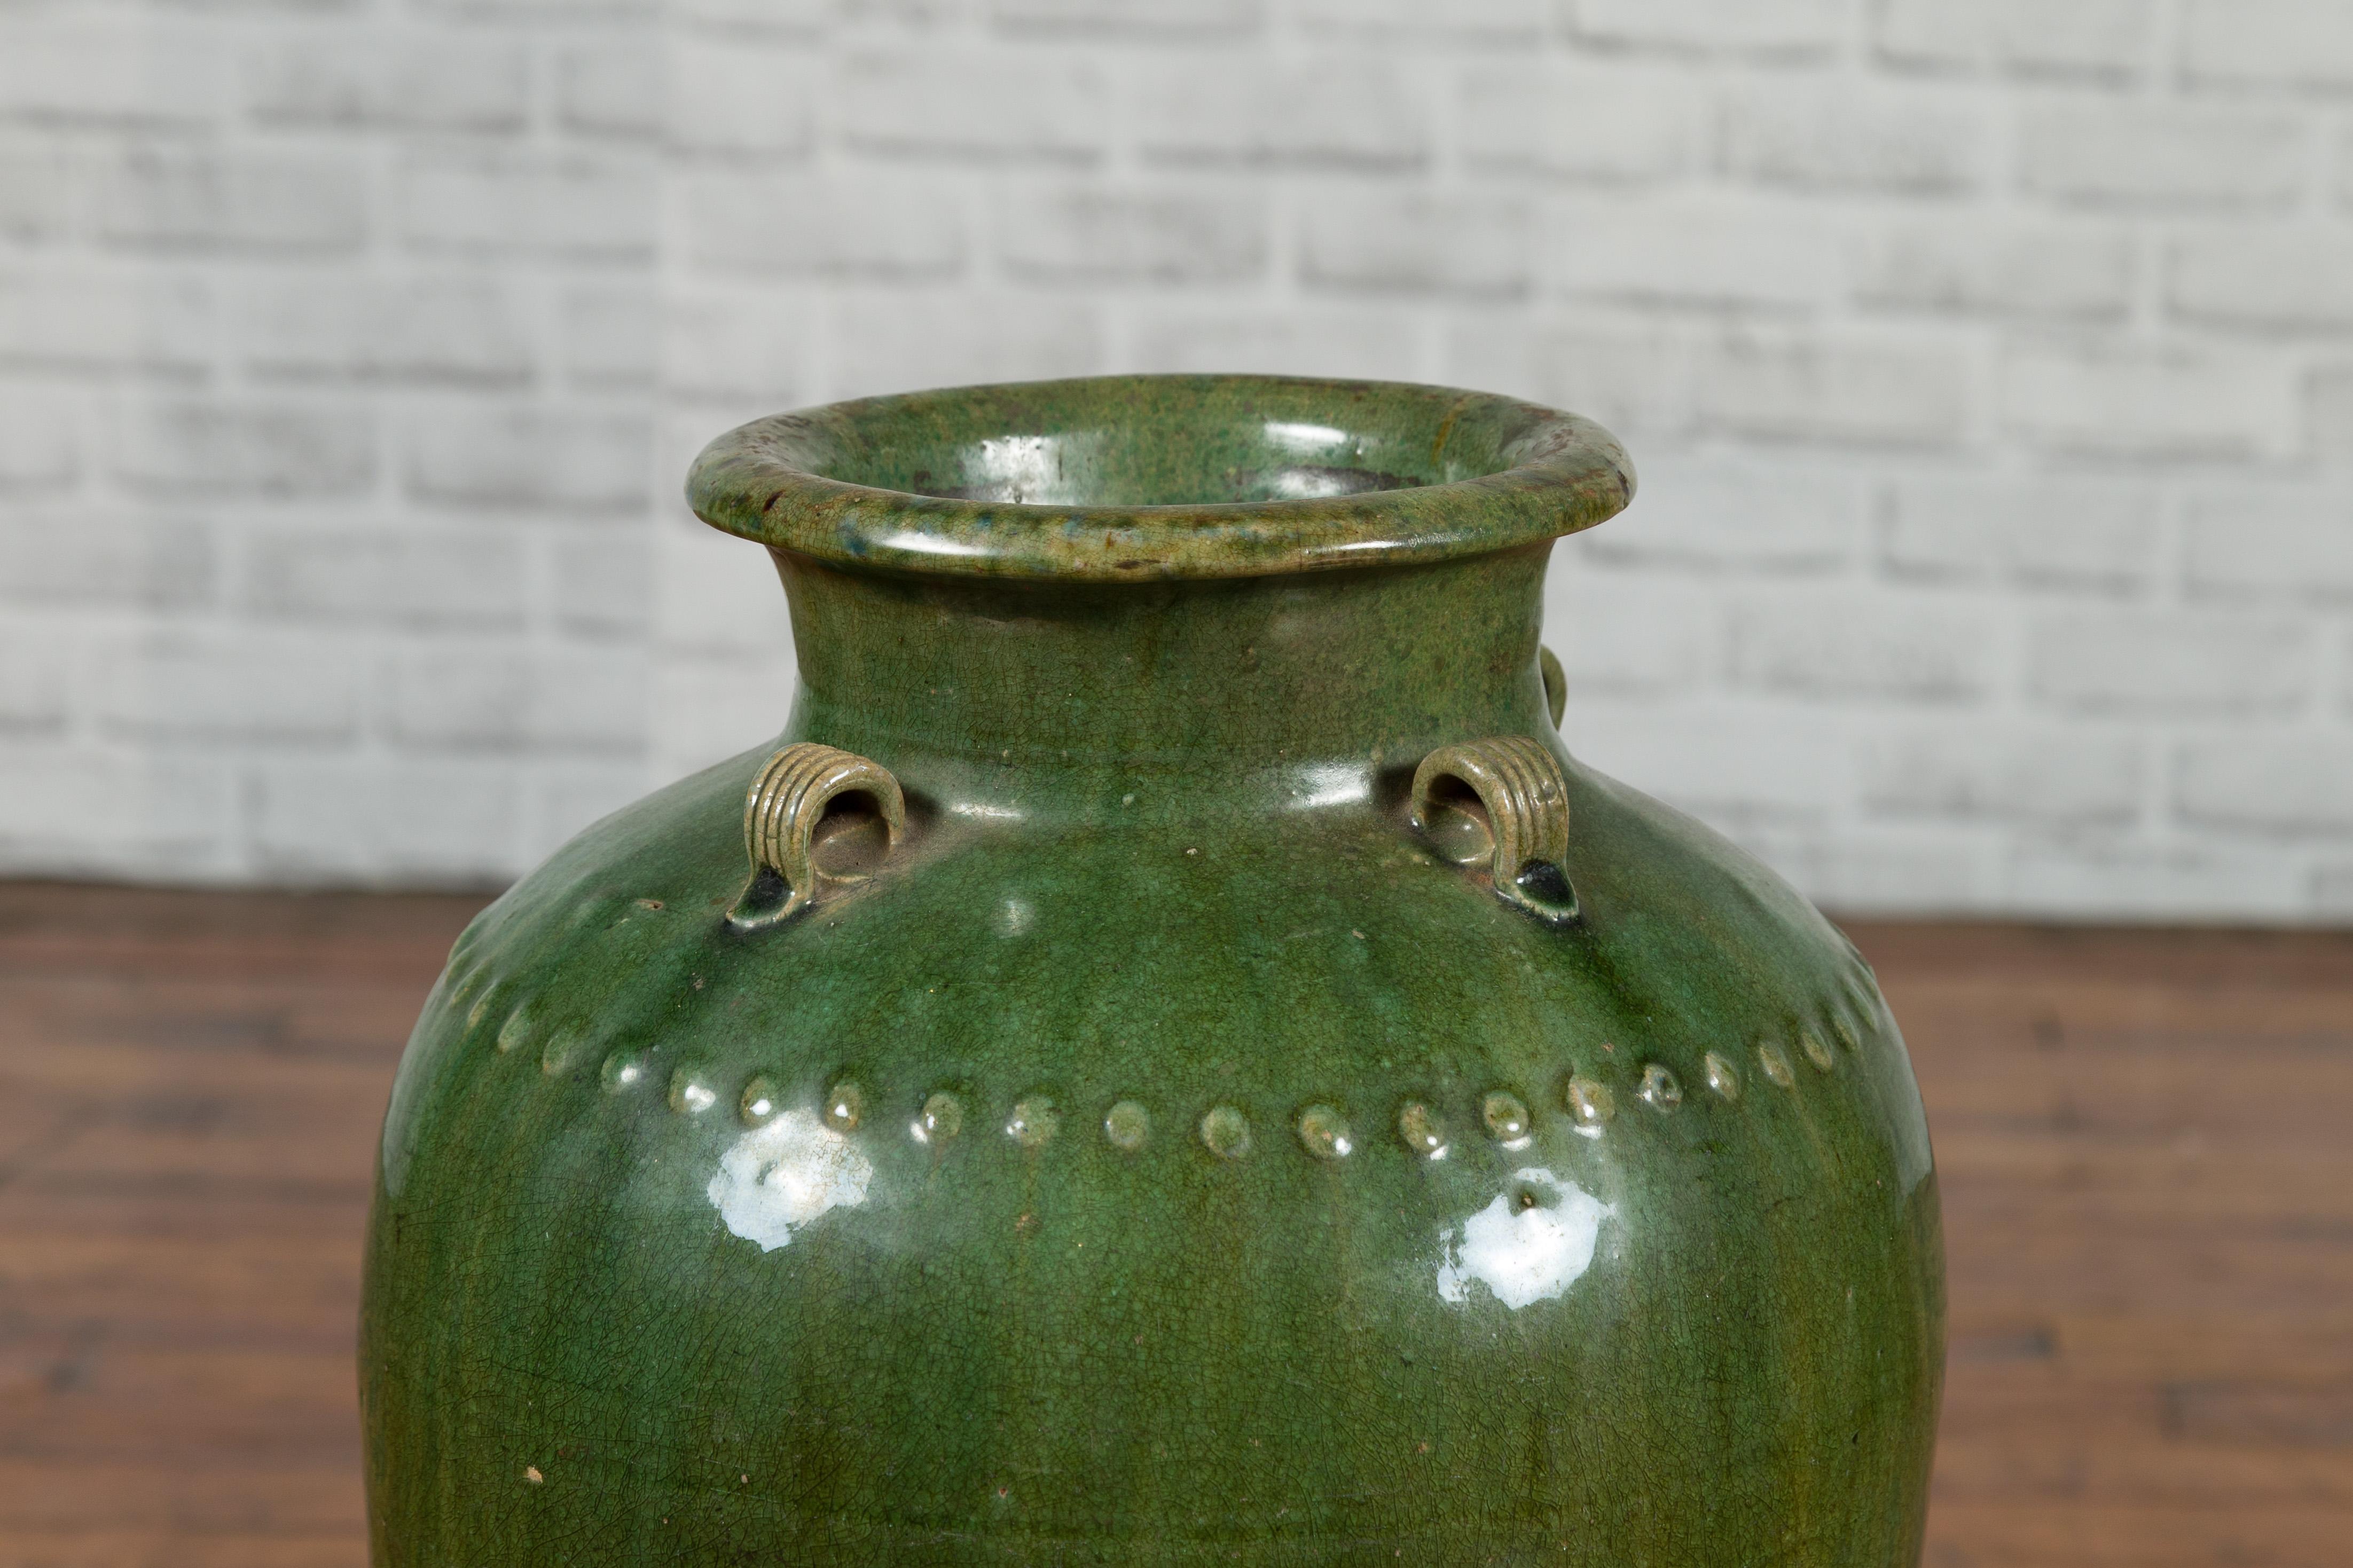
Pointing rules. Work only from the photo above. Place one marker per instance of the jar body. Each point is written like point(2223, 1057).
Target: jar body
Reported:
point(1171, 1157)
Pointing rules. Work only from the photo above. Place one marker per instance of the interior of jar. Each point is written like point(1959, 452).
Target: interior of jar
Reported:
point(1176, 442)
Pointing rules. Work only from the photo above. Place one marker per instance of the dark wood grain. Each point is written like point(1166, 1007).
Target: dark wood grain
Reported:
point(2146, 1142)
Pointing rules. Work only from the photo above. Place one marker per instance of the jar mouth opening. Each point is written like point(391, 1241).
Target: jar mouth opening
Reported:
point(1160, 476)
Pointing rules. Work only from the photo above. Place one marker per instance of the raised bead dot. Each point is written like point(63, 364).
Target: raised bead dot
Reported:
point(480, 1009)
point(1843, 1027)
point(622, 1070)
point(941, 1119)
point(1034, 1121)
point(758, 1102)
point(1507, 1116)
point(1225, 1130)
point(1323, 1132)
point(845, 1107)
point(1591, 1101)
point(1127, 1125)
point(557, 1053)
point(1661, 1088)
point(1860, 992)
point(1722, 1078)
point(516, 1029)
point(690, 1093)
point(1418, 1125)
point(1775, 1065)
point(1816, 1052)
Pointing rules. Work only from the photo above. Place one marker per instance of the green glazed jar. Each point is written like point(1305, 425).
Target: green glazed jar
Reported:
point(1168, 1059)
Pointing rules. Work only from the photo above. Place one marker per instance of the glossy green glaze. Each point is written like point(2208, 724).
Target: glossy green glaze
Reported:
point(1167, 1155)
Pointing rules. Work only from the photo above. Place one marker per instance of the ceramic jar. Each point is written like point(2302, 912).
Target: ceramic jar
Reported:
point(1168, 1058)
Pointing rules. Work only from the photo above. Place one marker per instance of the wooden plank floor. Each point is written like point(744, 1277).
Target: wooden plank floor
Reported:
point(2145, 1143)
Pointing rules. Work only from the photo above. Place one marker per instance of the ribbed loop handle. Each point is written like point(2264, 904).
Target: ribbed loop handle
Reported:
point(1524, 798)
point(781, 812)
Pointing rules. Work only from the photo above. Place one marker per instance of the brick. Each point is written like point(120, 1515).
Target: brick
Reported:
point(222, 447)
point(388, 821)
point(1975, 266)
point(75, 810)
point(2133, 154)
point(2329, 413)
point(892, 345)
point(602, 580)
point(2189, 663)
point(2094, 38)
point(459, 330)
point(1132, 18)
point(37, 186)
point(413, 576)
point(1781, 26)
point(1736, 764)
point(881, 227)
point(36, 680)
point(564, 798)
point(541, 12)
point(2082, 534)
point(617, 90)
point(565, 460)
point(87, 320)
point(40, 443)
point(1628, 121)
point(1373, 343)
point(2298, 281)
point(1468, 246)
point(1635, 380)
point(366, 79)
point(707, 708)
point(707, 607)
point(140, 75)
point(610, 337)
point(2144, 882)
point(2332, 892)
point(2260, 543)
point(1809, 388)
point(1486, 23)
point(743, 101)
point(176, 199)
point(2296, 43)
point(1345, 114)
point(2292, 786)
point(1826, 644)
point(2151, 403)
point(749, 347)
point(1680, 251)
point(2006, 772)
point(1714, 514)
point(496, 697)
point(580, 208)
point(1863, 868)
point(229, 688)
point(1811, 136)
point(1135, 234)
point(952, 105)
point(1629, 632)
point(76, 559)
point(803, 19)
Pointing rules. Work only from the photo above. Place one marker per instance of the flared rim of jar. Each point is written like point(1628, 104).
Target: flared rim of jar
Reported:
point(1140, 477)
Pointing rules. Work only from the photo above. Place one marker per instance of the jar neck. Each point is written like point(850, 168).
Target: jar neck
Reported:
point(1078, 688)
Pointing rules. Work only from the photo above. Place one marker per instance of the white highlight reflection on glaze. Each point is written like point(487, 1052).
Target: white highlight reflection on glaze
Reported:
point(1320, 785)
point(783, 1175)
point(1524, 1253)
point(1302, 440)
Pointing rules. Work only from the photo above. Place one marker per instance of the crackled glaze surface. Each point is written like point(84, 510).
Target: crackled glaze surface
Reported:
point(1167, 1155)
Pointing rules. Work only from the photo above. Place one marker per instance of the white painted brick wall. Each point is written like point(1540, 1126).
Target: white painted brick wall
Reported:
point(1989, 363)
